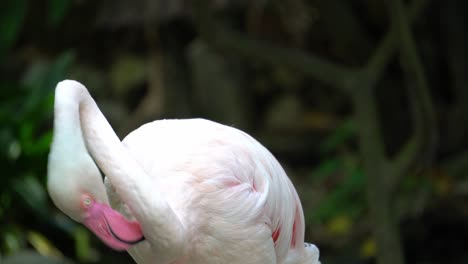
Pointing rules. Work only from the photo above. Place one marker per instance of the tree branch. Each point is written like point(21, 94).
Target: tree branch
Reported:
point(386, 49)
point(383, 175)
point(376, 167)
point(423, 111)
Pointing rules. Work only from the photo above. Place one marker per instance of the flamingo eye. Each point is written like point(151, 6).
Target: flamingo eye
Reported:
point(87, 201)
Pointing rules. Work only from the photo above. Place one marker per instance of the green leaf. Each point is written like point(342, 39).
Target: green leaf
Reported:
point(342, 133)
point(57, 11)
point(43, 76)
point(325, 169)
point(31, 145)
point(32, 192)
point(26, 133)
point(58, 70)
point(43, 245)
point(5, 203)
point(39, 81)
point(344, 199)
point(12, 241)
point(43, 143)
point(35, 74)
point(6, 138)
point(12, 14)
point(84, 252)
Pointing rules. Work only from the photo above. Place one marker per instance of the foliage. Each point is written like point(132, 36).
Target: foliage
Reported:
point(12, 14)
point(26, 106)
point(23, 114)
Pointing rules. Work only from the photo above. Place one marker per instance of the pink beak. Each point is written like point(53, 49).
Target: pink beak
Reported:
point(112, 227)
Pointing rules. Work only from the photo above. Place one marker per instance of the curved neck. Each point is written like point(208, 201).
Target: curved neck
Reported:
point(131, 182)
point(68, 137)
point(70, 169)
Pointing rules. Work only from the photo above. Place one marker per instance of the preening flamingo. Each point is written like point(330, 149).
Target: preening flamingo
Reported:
point(182, 191)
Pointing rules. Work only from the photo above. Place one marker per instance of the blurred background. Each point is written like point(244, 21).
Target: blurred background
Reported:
point(364, 103)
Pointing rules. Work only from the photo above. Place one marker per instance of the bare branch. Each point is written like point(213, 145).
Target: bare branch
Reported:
point(381, 174)
point(386, 49)
point(422, 108)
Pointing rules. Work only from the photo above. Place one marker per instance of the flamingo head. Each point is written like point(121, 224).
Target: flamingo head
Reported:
point(75, 184)
point(79, 192)
point(109, 225)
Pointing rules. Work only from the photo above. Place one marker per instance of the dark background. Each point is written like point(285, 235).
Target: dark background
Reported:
point(364, 102)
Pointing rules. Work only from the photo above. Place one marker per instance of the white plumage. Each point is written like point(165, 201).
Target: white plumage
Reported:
point(201, 192)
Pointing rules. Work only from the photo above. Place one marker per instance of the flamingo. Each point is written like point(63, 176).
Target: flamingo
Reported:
point(182, 191)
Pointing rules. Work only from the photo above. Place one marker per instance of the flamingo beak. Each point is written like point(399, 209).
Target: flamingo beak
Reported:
point(112, 227)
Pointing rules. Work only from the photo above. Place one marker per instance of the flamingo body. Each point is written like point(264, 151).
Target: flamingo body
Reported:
point(202, 192)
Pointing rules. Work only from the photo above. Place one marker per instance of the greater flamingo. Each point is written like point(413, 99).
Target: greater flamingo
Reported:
point(192, 191)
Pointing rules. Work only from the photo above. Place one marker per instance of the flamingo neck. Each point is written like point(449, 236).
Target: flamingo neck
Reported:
point(69, 160)
point(133, 185)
